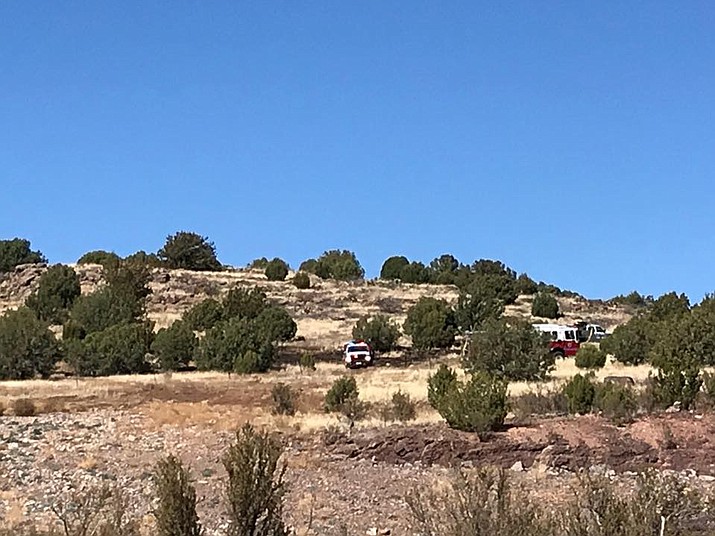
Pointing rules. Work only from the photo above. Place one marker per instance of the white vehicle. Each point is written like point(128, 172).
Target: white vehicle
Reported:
point(358, 353)
point(564, 339)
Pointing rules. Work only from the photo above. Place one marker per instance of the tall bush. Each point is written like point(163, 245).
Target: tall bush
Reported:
point(189, 251)
point(431, 324)
point(16, 252)
point(379, 331)
point(56, 292)
point(276, 270)
point(545, 306)
point(341, 265)
point(392, 267)
point(119, 349)
point(27, 347)
point(204, 315)
point(175, 513)
point(174, 346)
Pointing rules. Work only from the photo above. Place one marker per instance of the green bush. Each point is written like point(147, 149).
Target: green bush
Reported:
point(545, 306)
point(56, 292)
point(379, 331)
point(341, 395)
point(442, 269)
point(514, 351)
point(630, 343)
point(27, 347)
point(276, 270)
point(174, 346)
point(235, 345)
point(309, 266)
point(150, 260)
point(244, 303)
point(189, 251)
point(477, 405)
point(283, 399)
point(204, 315)
point(102, 309)
point(415, 273)
point(175, 512)
point(392, 267)
point(258, 264)
point(301, 281)
point(676, 382)
point(439, 384)
point(616, 402)
point(98, 257)
point(275, 324)
point(306, 362)
point(255, 488)
point(341, 265)
point(525, 285)
point(581, 393)
point(16, 252)
point(119, 349)
point(431, 324)
point(590, 357)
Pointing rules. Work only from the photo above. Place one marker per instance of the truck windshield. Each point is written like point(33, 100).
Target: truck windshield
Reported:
point(361, 348)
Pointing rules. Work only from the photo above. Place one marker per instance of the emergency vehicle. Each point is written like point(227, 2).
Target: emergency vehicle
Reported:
point(564, 339)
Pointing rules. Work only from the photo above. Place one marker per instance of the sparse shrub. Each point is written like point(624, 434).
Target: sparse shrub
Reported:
point(616, 402)
point(540, 402)
point(56, 292)
point(431, 324)
point(392, 267)
point(24, 407)
point(706, 398)
point(379, 331)
point(98, 257)
point(175, 513)
point(27, 347)
point(301, 280)
point(331, 434)
point(309, 266)
point(439, 384)
point(174, 346)
point(545, 306)
point(341, 395)
point(477, 405)
point(283, 399)
point(676, 382)
point(306, 362)
point(580, 392)
point(277, 270)
point(255, 490)
point(590, 357)
point(204, 315)
point(16, 252)
point(514, 351)
point(403, 408)
point(189, 251)
point(248, 363)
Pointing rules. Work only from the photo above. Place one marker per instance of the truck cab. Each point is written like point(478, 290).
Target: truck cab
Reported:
point(358, 353)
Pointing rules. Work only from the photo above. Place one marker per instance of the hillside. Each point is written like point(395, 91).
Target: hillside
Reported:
point(325, 313)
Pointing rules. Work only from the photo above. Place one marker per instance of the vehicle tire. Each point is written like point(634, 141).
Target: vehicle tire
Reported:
point(558, 354)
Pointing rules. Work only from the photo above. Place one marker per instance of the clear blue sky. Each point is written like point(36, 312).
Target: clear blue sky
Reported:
point(572, 140)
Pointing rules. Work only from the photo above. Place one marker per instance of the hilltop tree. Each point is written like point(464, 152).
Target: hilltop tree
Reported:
point(99, 256)
point(415, 273)
point(189, 251)
point(27, 347)
point(16, 252)
point(341, 265)
point(56, 292)
point(276, 270)
point(431, 324)
point(392, 267)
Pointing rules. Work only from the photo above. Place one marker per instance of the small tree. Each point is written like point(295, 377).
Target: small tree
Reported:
point(56, 292)
point(174, 346)
point(477, 405)
point(580, 392)
point(392, 267)
point(16, 252)
point(119, 349)
point(274, 324)
point(525, 285)
point(631, 343)
point(590, 357)
point(415, 273)
point(283, 399)
point(235, 345)
point(379, 331)
point(277, 270)
point(255, 490)
point(244, 303)
point(301, 280)
point(545, 306)
point(341, 265)
point(204, 315)
point(150, 260)
point(439, 384)
point(98, 257)
point(175, 513)
point(514, 351)
point(477, 304)
point(341, 395)
point(189, 251)
point(27, 347)
point(431, 324)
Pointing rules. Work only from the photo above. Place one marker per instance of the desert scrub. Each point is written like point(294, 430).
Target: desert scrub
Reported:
point(175, 513)
point(283, 399)
point(590, 357)
point(580, 392)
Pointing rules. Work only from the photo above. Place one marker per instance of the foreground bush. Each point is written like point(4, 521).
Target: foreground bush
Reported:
point(283, 399)
point(27, 347)
point(580, 392)
point(617, 403)
point(204, 315)
point(56, 291)
point(255, 490)
point(343, 397)
point(175, 513)
point(379, 331)
point(235, 345)
point(478, 404)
